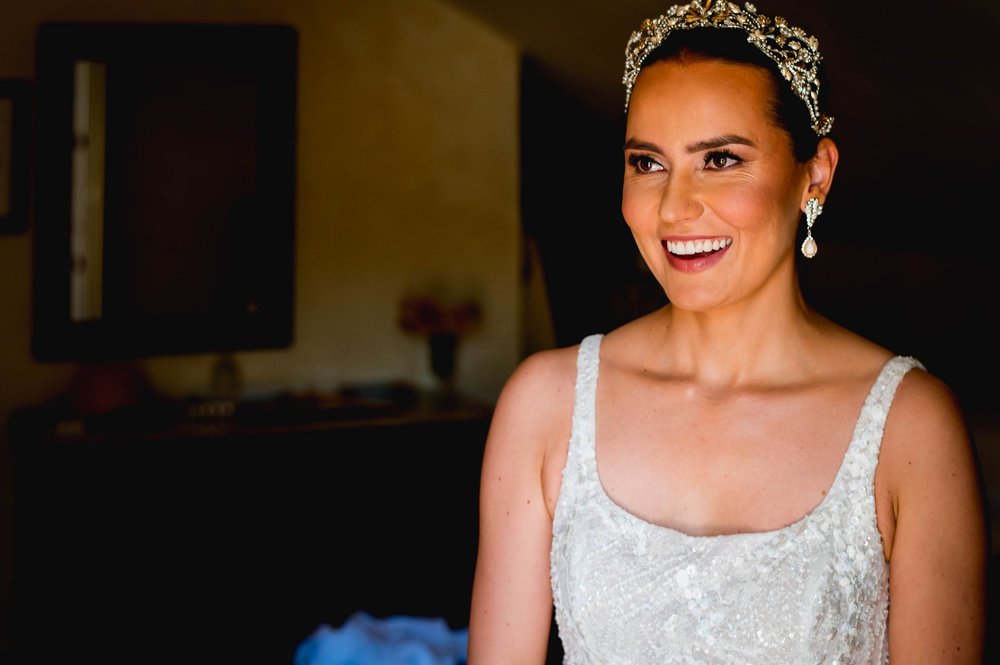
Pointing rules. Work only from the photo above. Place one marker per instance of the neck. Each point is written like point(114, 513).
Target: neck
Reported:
point(756, 342)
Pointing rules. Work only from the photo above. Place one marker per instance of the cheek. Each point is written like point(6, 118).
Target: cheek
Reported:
point(638, 207)
point(641, 217)
point(745, 208)
point(754, 209)
point(628, 212)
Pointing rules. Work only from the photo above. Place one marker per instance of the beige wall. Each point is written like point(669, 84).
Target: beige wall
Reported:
point(407, 181)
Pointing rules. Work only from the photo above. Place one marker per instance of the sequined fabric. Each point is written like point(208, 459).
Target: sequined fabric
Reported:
point(632, 592)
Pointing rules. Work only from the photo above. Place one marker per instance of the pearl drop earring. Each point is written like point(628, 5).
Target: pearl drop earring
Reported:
point(813, 210)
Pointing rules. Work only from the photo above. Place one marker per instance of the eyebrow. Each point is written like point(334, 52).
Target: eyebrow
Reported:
point(708, 144)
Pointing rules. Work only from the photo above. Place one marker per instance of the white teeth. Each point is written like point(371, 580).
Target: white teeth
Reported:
point(689, 247)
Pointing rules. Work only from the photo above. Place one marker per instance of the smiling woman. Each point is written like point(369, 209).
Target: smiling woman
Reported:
point(739, 190)
point(734, 434)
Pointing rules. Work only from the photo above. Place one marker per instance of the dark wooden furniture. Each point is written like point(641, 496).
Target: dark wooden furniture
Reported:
point(229, 540)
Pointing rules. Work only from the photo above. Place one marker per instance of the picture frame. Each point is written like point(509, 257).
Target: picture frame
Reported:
point(15, 132)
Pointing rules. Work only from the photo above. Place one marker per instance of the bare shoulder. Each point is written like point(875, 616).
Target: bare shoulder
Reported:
point(541, 381)
point(531, 426)
point(537, 400)
point(926, 444)
point(926, 413)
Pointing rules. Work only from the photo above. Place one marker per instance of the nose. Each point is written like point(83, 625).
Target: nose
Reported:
point(679, 199)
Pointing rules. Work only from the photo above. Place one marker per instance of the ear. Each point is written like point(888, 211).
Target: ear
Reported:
point(820, 170)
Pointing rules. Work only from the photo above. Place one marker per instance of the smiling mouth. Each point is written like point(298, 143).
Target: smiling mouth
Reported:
point(691, 249)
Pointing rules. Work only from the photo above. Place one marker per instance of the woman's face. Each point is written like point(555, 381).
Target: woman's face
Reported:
point(712, 191)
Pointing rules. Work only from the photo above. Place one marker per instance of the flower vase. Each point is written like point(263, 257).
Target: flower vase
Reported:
point(444, 347)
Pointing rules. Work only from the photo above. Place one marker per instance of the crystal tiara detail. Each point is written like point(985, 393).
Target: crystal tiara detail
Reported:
point(796, 53)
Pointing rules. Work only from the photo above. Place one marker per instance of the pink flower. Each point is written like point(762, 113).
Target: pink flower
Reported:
point(423, 315)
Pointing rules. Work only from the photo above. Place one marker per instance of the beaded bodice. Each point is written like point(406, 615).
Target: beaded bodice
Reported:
point(632, 592)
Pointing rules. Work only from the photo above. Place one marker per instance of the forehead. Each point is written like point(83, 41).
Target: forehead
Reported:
point(703, 97)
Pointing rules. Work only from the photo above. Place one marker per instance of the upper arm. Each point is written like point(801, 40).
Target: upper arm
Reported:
point(938, 550)
point(512, 599)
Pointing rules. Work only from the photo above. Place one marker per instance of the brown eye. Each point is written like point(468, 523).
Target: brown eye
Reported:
point(644, 163)
point(721, 160)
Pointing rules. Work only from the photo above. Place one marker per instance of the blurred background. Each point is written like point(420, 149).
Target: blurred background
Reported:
point(465, 156)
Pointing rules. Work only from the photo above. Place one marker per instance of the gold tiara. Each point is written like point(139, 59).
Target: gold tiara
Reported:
point(796, 53)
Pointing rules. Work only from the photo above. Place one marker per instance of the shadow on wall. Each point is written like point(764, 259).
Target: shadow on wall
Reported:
point(571, 175)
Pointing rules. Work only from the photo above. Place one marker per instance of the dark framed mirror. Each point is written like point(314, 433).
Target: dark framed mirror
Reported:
point(165, 189)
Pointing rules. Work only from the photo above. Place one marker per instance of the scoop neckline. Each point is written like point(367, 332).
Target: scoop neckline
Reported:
point(768, 533)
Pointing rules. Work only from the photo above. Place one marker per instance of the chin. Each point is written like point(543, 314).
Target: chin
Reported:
point(693, 300)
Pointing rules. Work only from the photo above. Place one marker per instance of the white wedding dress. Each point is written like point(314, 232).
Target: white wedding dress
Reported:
point(632, 592)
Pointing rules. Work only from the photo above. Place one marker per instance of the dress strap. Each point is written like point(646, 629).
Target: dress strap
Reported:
point(867, 439)
point(588, 361)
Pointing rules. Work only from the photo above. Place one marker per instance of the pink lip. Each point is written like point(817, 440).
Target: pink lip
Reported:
point(695, 263)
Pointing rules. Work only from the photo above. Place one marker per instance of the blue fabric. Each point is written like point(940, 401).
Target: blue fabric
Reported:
point(397, 640)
